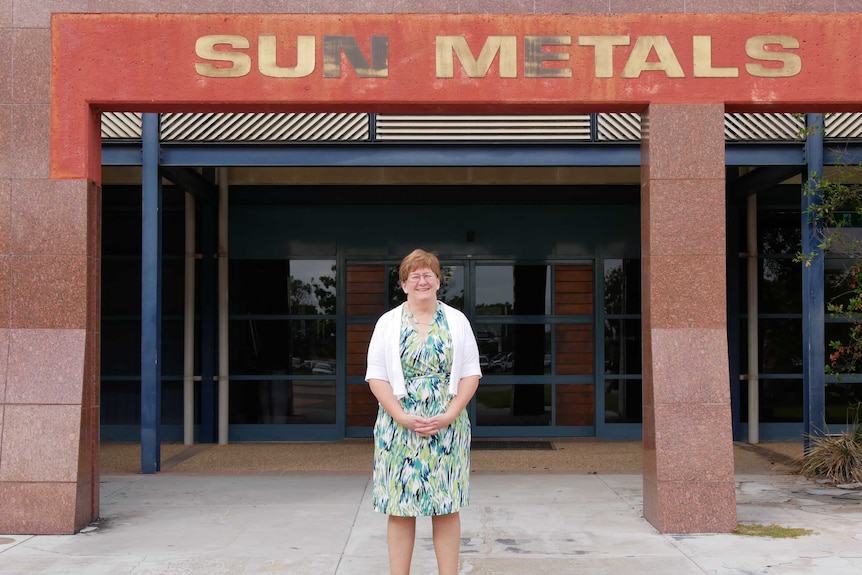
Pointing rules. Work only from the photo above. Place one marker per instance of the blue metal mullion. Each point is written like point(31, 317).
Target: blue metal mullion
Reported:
point(372, 127)
point(209, 320)
point(813, 304)
point(151, 297)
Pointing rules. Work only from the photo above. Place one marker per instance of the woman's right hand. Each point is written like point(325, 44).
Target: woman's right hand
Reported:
point(412, 422)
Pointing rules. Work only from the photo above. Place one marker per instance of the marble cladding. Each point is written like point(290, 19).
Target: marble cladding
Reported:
point(29, 142)
point(687, 435)
point(47, 508)
point(31, 54)
point(30, 379)
point(5, 150)
point(49, 217)
point(40, 443)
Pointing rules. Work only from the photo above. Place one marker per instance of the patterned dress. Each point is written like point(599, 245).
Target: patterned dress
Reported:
point(421, 476)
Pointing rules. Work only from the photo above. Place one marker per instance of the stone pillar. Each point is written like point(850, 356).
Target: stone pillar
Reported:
point(49, 302)
point(688, 445)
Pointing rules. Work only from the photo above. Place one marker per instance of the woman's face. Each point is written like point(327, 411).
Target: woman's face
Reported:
point(421, 284)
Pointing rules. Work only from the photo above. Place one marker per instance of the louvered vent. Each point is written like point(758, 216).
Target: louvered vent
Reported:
point(619, 127)
point(843, 125)
point(264, 127)
point(121, 126)
point(392, 127)
point(763, 127)
point(354, 127)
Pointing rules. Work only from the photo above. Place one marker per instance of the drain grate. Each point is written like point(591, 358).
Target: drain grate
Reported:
point(512, 445)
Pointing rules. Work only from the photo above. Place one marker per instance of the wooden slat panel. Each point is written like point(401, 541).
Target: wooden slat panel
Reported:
point(358, 337)
point(573, 290)
point(361, 406)
point(366, 290)
point(575, 349)
point(575, 405)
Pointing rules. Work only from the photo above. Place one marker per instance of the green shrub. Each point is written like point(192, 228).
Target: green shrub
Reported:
point(835, 457)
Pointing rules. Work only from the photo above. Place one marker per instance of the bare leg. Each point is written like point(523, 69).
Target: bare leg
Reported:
point(447, 542)
point(401, 534)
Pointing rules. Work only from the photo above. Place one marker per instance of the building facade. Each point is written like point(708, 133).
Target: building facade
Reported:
point(196, 245)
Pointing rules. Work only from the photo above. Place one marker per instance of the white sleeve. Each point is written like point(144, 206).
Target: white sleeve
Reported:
point(376, 360)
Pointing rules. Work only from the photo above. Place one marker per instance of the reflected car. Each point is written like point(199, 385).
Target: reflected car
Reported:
point(323, 368)
point(501, 362)
point(483, 362)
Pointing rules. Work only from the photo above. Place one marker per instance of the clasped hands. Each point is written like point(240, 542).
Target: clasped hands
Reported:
point(426, 426)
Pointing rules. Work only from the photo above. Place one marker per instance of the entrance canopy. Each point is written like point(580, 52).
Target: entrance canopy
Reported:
point(438, 64)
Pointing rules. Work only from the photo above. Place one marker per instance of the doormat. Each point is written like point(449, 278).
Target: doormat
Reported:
point(512, 445)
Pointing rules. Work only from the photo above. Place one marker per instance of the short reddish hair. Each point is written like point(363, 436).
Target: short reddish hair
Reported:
point(418, 259)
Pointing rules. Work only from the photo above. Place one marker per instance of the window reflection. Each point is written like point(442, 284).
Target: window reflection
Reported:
point(623, 401)
point(780, 401)
point(513, 405)
point(513, 290)
point(622, 286)
point(623, 346)
point(284, 401)
point(263, 347)
point(279, 287)
point(780, 346)
point(514, 349)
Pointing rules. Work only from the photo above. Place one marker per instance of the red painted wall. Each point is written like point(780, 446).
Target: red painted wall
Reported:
point(148, 63)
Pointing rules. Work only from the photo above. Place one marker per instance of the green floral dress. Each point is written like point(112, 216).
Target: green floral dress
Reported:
point(421, 476)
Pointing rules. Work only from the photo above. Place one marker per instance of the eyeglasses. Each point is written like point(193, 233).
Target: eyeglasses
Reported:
point(415, 278)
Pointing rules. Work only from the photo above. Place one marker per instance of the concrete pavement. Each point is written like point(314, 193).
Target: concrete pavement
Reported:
point(518, 523)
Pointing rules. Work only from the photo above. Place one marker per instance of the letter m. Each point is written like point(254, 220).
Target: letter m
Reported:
point(506, 46)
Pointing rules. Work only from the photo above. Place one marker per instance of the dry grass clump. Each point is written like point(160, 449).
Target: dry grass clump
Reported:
point(774, 531)
point(835, 457)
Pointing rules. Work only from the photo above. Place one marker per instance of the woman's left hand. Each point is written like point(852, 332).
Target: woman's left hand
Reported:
point(433, 425)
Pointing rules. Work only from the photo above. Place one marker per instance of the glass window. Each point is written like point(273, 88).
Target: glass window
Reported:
point(778, 286)
point(513, 290)
point(622, 286)
point(513, 404)
point(623, 401)
point(285, 401)
point(780, 345)
point(259, 347)
point(623, 346)
point(780, 401)
point(779, 231)
point(281, 287)
point(514, 349)
point(843, 402)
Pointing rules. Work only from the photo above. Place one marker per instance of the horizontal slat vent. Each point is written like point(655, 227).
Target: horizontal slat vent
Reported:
point(226, 127)
point(482, 128)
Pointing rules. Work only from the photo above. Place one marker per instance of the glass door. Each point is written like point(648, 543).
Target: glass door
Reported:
point(534, 324)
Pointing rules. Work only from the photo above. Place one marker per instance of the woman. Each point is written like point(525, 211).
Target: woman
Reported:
point(423, 368)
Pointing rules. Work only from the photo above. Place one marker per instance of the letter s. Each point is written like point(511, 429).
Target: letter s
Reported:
point(755, 47)
point(205, 48)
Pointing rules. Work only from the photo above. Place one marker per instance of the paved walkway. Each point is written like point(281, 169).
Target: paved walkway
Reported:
point(518, 523)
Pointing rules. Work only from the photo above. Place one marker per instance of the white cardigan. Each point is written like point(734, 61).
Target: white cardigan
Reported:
point(384, 356)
